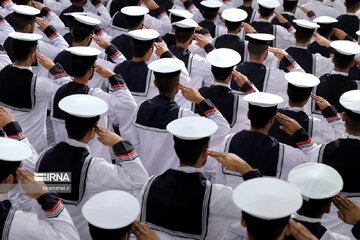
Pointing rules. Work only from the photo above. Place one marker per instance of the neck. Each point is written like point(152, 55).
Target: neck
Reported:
point(256, 60)
point(291, 104)
point(341, 70)
point(79, 44)
point(233, 32)
point(168, 95)
point(301, 44)
point(183, 45)
point(247, 4)
point(264, 130)
point(353, 133)
point(266, 18)
point(142, 59)
point(196, 165)
point(82, 80)
point(22, 64)
point(351, 11)
point(226, 81)
point(78, 4)
point(210, 20)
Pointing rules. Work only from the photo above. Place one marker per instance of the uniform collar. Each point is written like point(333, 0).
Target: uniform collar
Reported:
point(262, 20)
point(339, 73)
point(22, 67)
point(288, 13)
point(294, 109)
point(188, 169)
point(222, 84)
point(353, 137)
point(306, 219)
point(74, 143)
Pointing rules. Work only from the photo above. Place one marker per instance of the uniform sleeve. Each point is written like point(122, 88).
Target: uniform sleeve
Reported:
point(127, 173)
point(160, 23)
point(323, 65)
point(99, 11)
point(200, 66)
point(284, 38)
point(56, 225)
point(14, 131)
point(4, 58)
point(356, 230)
point(53, 19)
point(46, 87)
point(307, 145)
point(57, 40)
point(221, 203)
point(5, 29)
point(114, 54)
point(197, 16)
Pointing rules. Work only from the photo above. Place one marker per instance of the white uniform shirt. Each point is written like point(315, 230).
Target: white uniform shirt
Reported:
point(321, 9)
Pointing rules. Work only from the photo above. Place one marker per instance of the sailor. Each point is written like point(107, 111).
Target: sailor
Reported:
point(266, 79)
point(82, 31)
point(315, 64)
point(349, 22)
point(210, 22)
point(96, 10)
point(134, 16)
point(247, 7)
point(90, 175)
point(284, 37)
point(231, 105)
point(112, 214)
point(148, 130)
point(266, 205)
point(121, 102)
point(198, 209)
point(189, 6)
point(321, 9)
point(158, 20)
point(24, 22)
point(323, 128)
point(25, 94)
point(290, 9)
point(318, 184)
point(334, 84)
point(233, 21)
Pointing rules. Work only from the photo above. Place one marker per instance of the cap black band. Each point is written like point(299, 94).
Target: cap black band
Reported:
point(23, 16)
point(23, 43)
point(167, 75)
point(352, 115)
point(181, 29)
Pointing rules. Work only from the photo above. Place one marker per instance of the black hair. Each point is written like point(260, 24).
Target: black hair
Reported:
point(210, 13)
point(303, 35)
point(298, 94)
point(78, 127)
point(189, 151)
point(183, 34)
point(265, 12)
point(20, 23)
point(256, 50)
point(22, 49)
point(133, 22)
point(260, 116)
point(80, 65)
point(141, 47)
point(352, 4)
point(80, 33)
point(8, 168)
point(232, 26)
point(325, 30)
point(260, 229)
point(289, 6)
point(343, 61)
point(315, 208)
point(75, 1)
point(352, 121)
point(221, 73)
point(133, 2)
point(21, 2)
point(108, 234)
point(167, 82)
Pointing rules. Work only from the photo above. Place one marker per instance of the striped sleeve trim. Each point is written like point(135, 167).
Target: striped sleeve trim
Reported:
point(248, 87)
point(208, 108)
point(311, 14)
point(302, 139)
point(14, 131)
point(51, 205)
point(331, 114)
point(159, 15)
point(4, 2)
point(51, 32)
point(57, 71)
point(117, 82)
point(124, 151)
point(100, 32)
point(188, 4)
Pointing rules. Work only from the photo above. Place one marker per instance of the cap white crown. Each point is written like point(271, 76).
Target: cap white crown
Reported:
point(223, 57)
point(13, 151)
point(82, 105)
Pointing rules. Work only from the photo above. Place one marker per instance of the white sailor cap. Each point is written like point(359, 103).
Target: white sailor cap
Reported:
point(30, 38)
point(263, 99)
point(192, 128)
point(306, 24)
point(302, 79)
point(166, 65)
point(75, 13)
point(181, 13)
point(260, 38)
point(187, 23)
point(316, 180)
point(325, 20)
point(86, 20)
point(223, 58)
point(211, 3)
point(83, 105)
point(234, 15)
point(134, 11)
point(13, 151)
point(267, 198)
point(112, 209)
point(25, 11)
point(358, 32)
point(350, 100)
point(85, 53)
point(144, 34)
point(345, 47)
point(269, 3)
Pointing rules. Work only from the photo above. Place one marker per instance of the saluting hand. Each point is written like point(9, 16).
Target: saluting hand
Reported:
point(239, 78)
point(321, 102)
point(31, 187)
point(278, 53)
point(43, 24)
point(101, 42)
point(143, 232)
point(103, 71)
point(248, 28)
point(231, 161)
point(280, 18)
point(191, 94)
point(38, 5)
point(201, 40)
point(321, 40)
point(340, 34)
point(160, 49)
point(300, 232)
point(151, 4)
point(304, 9)
point(348, 212)
point(107, 137)
point(45, 61)
point(289, 125)
point(5, 117)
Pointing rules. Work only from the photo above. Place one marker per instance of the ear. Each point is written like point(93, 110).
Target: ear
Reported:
point(258, 10)
point(8, 180)
point(243, 223)
point(327, 210)
point(272, 120)
point(248, 115)
point(287, 93)
point(155, 84)
point(332, 60)
point(353, 63)
point(71, 32)
point(343, 116)
point(126, 236)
